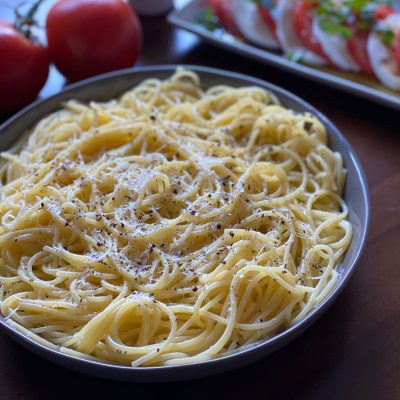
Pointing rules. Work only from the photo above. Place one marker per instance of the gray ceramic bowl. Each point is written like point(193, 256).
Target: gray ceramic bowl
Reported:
point(113, 84)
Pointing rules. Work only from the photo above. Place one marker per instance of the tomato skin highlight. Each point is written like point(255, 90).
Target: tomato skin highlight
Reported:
point(223, 10)
point(268, 19)
point(24, 67)
point(90, 37)
point(303, 18)
point(357, 46)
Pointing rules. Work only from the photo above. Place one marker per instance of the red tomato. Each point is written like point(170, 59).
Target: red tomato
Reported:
point(223, 10)
point(24, 67)
point(303, 18)
point(89, 37)
point(267, 18)
point(357, 45)
point(382, 11)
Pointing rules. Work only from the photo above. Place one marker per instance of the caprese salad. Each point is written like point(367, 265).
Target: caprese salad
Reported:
point(351, 35)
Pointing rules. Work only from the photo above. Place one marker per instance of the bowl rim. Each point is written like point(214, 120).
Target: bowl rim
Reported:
point(144, 372)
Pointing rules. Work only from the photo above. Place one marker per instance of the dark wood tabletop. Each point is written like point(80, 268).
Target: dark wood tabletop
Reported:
point(353, 350)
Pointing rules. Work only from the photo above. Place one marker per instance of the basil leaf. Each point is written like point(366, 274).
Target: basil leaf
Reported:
point(335, 28)
point(209, 20)
point(357, 5)
point(363, 25)
point(387, 37)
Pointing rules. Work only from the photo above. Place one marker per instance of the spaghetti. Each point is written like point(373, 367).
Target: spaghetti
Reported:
point(174, 225)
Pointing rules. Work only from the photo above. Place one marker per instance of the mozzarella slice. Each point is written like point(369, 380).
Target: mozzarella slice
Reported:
point(287, 36)
point(335, 47)
point(392, 22)
point(248, 19)
point(381, 56)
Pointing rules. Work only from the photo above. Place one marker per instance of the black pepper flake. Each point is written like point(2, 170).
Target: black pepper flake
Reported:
point(192, 212)
point(225, 179)
point(195, 289)
point(307, 126)
point(219, 226)
point(231, 234)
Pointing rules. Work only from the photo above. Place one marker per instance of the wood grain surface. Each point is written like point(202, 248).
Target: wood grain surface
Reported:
point(353, 350)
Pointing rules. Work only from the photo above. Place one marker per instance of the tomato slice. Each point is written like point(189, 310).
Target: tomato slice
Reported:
point(303, 18)
point(223, 11)
point(268, 18)
point(397, 50)
point(357, 46)
point(382, 11)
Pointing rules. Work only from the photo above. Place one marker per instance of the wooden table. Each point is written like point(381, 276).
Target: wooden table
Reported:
point(353, 351)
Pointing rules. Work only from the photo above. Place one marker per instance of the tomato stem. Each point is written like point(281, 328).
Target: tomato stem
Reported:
point(25, 21)
point(34, 8)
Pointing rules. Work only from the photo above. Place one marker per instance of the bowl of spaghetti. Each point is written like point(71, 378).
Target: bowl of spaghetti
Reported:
point(168, 223)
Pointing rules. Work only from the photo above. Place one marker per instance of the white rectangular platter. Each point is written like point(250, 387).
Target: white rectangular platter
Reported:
point(188, 16)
